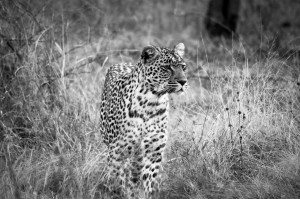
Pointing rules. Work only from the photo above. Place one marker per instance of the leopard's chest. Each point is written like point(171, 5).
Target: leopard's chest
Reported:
point(145, 112)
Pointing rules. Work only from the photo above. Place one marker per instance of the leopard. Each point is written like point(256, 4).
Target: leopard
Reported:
point(134, 118)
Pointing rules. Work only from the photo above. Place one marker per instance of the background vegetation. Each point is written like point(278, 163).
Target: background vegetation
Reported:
point(234, 134)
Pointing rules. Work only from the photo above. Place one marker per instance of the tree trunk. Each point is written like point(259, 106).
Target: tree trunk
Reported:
point(222, 17)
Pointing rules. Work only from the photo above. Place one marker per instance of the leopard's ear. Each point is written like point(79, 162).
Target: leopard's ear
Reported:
point(179, 49)
point(149, 54)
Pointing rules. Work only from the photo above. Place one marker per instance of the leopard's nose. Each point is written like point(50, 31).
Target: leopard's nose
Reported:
point(182, 82)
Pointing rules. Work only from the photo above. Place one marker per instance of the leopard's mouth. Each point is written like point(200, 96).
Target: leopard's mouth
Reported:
point(180, 89)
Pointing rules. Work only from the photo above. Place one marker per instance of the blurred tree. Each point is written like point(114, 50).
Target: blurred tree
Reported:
point(222, 17)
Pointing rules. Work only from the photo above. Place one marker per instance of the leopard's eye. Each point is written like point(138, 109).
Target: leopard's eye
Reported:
point(183, 66)
point(166, 67)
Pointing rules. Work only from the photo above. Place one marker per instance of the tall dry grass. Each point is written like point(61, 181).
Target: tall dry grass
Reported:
point(237, 139)
point(246, 146)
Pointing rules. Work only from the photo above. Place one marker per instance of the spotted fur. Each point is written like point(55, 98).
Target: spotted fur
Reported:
point(134, 118)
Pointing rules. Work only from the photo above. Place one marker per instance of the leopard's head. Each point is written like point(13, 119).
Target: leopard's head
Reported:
point(164, 69)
